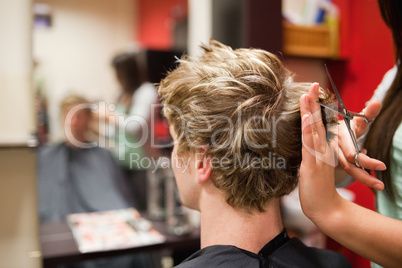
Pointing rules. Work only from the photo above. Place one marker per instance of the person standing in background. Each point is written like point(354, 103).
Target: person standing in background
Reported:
point(129, 123)
point(384, 139)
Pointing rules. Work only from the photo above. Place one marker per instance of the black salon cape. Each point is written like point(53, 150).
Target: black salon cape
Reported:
point(77, 181)
point(281, 252)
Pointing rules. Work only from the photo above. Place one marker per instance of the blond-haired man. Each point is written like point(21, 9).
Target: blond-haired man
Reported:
point(75, 175)
point(235, 119)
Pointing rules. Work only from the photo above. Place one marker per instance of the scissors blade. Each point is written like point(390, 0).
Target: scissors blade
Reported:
point(352, 135)
point(338, 96)
point(335, 109)
point(342, 106)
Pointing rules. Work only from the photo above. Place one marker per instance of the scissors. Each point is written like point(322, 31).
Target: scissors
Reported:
point(347, 115)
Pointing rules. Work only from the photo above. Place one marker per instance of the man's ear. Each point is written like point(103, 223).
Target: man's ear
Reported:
point(203, 168)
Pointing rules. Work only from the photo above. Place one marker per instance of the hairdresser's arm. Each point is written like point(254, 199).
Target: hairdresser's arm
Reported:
point(366, 232)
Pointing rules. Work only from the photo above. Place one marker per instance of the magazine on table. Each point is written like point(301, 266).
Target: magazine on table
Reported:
point(113, 229)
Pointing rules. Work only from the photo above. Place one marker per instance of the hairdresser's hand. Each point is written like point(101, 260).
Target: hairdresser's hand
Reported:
point(346, 149)
point(105, 116)
point(317, 179)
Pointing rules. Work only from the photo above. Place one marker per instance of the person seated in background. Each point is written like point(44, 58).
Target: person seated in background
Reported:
point(235, 119)
point(75, 175)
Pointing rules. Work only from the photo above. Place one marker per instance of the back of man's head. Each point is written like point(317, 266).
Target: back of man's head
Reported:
point(242, 109)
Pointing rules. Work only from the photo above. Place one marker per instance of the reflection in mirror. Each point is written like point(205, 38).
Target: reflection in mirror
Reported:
point(90, 55)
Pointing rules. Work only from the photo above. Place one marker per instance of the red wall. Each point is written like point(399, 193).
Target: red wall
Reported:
point(155, 23)
point(367, 50)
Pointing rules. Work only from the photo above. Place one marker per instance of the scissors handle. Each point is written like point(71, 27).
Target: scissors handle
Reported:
point(354, 114)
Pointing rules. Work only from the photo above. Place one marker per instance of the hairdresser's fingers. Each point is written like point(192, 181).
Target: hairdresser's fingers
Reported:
point(316, 124)
point(360, 174)
point(348, 149)
point(304, 106)
point(371, 111)
point(308, 152)
point(307, 186)
point(345, 142)
point(319, 145)
point(314, 136)
point(316, 181)
point(316, 109)
point(369, 163)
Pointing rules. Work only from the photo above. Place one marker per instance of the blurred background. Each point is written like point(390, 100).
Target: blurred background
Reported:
point(52, 48)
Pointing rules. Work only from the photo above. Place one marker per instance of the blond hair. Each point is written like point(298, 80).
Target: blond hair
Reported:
point(217, 101)
point(72, 100)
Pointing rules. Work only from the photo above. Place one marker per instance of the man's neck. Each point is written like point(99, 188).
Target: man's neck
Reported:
point(221, 224)
point(81, 140)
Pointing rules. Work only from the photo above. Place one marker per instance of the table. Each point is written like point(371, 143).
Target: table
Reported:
point(58, 245)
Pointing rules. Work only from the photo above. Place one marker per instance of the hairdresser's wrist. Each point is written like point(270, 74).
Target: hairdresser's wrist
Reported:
point(326, 217)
